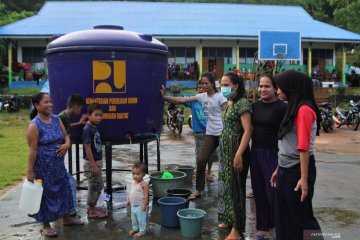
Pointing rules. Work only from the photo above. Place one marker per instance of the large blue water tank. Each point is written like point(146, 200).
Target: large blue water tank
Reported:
point(121, 70)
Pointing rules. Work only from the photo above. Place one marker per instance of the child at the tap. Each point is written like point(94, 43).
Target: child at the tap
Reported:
point(138, 199)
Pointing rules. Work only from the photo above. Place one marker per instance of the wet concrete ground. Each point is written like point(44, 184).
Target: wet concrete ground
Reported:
point(336, 199)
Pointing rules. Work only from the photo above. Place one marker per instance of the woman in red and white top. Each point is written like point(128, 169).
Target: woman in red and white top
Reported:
point(295, 175)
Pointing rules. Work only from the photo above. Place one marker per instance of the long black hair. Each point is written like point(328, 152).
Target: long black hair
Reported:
point(211, 78)
point(236, 79)
point(273, 82)
point(299, 91)
point(36, 100)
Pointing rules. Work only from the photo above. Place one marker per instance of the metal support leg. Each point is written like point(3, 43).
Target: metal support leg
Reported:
point(141, 152)
point(158, 153)
point(70, 160)
point(146, 158)
point(108, 159)
point(77, 152)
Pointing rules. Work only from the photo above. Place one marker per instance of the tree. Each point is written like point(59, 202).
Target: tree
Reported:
point(347, 16)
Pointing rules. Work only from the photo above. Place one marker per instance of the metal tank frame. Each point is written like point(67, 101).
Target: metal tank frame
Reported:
point(108, 163)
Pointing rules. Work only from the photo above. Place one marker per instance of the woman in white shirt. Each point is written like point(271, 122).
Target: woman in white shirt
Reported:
point(213, 103)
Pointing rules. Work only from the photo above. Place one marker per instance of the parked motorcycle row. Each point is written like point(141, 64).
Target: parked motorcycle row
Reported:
point(350, 118)
point(9, 104)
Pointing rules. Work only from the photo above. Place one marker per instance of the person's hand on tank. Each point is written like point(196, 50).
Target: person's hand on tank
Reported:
point(83, 118)
point(162, 91)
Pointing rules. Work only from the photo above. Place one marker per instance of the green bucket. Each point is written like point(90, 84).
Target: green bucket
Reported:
point(191, 222)
point(160, 185)
point(189, 170)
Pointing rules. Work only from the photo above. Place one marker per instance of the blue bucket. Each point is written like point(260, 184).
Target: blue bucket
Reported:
point(168, 211)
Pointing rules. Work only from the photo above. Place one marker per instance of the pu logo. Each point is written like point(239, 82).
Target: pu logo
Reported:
point(109, 76)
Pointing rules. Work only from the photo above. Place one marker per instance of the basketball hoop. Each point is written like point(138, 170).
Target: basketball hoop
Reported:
point(280, 56)
point(279, 45)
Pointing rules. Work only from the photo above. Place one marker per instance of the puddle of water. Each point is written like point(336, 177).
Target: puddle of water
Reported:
point(340, 217)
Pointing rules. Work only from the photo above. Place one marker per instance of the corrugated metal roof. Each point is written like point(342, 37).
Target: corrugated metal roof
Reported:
point(176, 20)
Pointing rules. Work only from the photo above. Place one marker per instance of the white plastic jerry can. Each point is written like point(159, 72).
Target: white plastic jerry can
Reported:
point(31, 195)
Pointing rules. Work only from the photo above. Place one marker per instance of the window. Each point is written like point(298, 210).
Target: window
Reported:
point(247, 55)
point(317, 54)
point(181, 63)
point(33, 54)
point(291, 62)
point(181, 55)
point(213, 53)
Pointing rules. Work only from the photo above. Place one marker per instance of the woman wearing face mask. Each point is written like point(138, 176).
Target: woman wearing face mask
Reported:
point(267, 115)
point(234, 155)
point(212, 103)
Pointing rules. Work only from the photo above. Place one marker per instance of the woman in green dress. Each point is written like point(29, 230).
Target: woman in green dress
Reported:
point(234, 155)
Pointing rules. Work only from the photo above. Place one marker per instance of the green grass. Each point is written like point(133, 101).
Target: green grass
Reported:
point(24, 91)
point(354, 91)
point(13, 147)
point(188, 91)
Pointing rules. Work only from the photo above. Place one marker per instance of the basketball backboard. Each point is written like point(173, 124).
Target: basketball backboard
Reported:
point(279, 45)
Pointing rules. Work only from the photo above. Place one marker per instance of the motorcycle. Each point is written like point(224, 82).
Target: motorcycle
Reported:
point(190, 121)
point(351, 118)
point(175, 117)
point(327, 117)
point(11, 104)
point(1, 104)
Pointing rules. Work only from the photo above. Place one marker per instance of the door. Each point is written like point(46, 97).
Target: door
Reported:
point(205, 64)
point(219, 67)
point(322, 62)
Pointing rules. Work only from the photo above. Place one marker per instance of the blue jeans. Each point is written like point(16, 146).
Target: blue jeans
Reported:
point(138, 219)
point(72, 182)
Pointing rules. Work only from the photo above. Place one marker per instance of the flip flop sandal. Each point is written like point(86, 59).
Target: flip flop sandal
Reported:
point(99, 215)
point(227, 238)
point(52, 233)
point(258, 236)
point(99, 209)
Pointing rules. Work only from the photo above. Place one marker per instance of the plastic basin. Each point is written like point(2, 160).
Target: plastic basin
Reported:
point(160, 185)
point(189, 170)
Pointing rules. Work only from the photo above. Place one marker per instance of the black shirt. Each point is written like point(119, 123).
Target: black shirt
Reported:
point(266, 120)
point(92, 136)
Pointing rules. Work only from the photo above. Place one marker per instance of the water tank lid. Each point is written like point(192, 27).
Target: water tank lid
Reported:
point(108, 38)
